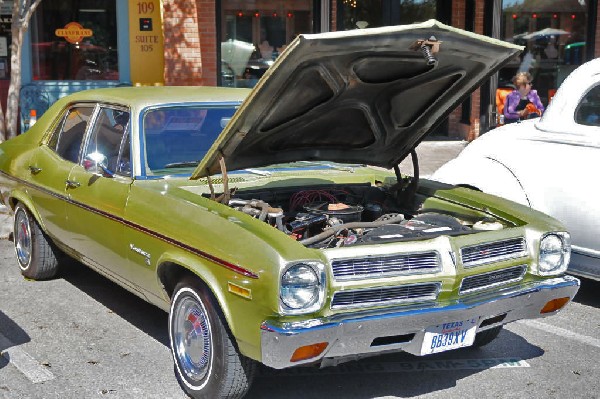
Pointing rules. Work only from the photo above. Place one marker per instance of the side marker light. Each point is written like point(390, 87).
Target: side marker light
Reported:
point(554, 305)
point(309, 351)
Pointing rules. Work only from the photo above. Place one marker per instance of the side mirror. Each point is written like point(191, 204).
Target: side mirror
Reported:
point(97, 163)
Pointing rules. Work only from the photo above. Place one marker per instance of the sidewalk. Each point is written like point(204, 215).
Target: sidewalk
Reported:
point(431, 153)
point(5, 222)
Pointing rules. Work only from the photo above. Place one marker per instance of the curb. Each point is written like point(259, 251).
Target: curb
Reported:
point(6, 222)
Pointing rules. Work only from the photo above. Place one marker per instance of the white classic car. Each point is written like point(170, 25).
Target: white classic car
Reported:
point(547, 164)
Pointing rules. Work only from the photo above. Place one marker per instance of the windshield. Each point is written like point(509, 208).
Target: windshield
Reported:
point(177, 138)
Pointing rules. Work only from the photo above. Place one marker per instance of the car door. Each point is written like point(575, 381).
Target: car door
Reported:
point(50, 166)
point(557, 170)
point(576, 203)
point(98, 190)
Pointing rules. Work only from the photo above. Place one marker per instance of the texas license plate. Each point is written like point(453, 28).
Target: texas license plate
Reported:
point(448, 336)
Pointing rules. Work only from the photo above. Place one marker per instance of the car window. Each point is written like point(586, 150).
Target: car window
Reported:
point(179, 137)
point(71, 132)
point(588, 110)
point(107, 139)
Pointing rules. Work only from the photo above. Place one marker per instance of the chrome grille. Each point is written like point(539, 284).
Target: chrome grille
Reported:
point(385, 295)
point(492, 279)
point(493, 252)
point(385, 265)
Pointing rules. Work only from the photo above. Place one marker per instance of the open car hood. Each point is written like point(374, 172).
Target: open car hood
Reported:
point(362, 96)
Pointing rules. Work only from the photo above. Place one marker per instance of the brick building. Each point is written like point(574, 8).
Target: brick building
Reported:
point(233, 42)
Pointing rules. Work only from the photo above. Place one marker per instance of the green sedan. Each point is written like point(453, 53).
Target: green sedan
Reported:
point(274, 225)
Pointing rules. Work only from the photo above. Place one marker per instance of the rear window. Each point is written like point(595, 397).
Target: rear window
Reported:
point(588, 110)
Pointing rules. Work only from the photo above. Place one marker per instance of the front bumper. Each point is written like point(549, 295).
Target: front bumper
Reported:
point(353, 335)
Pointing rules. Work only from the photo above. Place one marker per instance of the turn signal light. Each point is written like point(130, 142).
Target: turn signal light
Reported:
point(554, 305)
point(308, 351)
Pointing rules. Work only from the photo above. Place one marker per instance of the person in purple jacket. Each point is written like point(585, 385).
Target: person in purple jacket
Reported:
point(523, 102)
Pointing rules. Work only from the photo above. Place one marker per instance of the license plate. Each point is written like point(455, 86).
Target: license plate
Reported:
point(448, 336)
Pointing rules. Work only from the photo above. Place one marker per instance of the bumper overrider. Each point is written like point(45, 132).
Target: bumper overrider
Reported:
point(337, 338)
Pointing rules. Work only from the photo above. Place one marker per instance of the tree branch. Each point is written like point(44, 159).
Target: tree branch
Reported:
point(27, 17)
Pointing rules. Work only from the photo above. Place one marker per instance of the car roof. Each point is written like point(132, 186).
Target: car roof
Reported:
point(145, 96)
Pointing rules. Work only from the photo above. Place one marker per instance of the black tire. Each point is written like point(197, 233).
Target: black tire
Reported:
point(485, 337)
point(207, 361)
point(36, 254)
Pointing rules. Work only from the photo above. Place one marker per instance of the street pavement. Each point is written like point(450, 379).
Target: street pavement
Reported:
point(82, 336)
point(431, 153)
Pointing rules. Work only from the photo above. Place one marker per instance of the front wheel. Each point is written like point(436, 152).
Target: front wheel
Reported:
point(207, 362)
point(36, 254)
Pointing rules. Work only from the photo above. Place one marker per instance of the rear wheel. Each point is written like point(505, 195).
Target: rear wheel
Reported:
point(207, 362)
point(36, 254)
point(485, 337)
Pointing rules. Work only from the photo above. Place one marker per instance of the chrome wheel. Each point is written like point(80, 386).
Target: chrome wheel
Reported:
point(208, 364)
point(192, 337)
point(23, 242)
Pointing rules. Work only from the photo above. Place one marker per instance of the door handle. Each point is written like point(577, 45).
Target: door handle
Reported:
point(34, 169)
point(72, 184)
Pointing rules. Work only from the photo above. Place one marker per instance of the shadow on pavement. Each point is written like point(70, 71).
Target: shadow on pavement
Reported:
point(144, 316)
point(588, 293)
point(395, 374)
point(10, 335)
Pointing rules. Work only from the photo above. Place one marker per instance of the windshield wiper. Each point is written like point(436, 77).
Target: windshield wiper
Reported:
point(258, 172)
point(181, 164)
point(345, 168)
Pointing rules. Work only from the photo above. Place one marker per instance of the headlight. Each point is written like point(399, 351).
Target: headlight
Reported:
point(302, 288)
point(555, 253)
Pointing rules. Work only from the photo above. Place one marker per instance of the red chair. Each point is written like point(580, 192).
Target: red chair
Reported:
point(501, 94)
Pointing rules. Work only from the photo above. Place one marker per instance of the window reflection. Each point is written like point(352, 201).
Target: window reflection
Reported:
point(57, 57)
point(588, 110)
point(412, 11)
point(255, 33)
point(360, 14)
point(178, 138)
point(553, 32)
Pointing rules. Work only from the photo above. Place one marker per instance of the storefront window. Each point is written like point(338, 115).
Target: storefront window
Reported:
point(5, 38)
point(254, 33)
point(412, 11)
point(554, 33)
point(75, 40)
point(360, 14)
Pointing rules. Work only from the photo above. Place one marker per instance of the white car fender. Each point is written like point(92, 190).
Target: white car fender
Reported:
point(485, 174)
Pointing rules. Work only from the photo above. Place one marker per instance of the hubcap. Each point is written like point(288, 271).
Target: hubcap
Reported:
point(22, 239)
point(192, 339)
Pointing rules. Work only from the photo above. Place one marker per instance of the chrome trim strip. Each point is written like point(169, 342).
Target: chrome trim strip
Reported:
point(135, 226)
point(585, 251)
point(522, 268)
point(405, 290)
point(471, 260)
point(388, 265)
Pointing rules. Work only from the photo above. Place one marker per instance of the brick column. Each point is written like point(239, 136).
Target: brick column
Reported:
point(207, 27)
point(183, 60)
point(333, 22)
point(455, 127)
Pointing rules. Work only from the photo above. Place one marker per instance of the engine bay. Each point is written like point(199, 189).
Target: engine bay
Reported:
point(344, 215)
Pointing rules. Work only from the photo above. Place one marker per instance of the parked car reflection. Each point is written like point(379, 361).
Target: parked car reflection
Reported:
point(547, 164)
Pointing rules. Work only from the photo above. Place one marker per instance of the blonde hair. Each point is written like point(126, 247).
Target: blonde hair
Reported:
point(521, 79)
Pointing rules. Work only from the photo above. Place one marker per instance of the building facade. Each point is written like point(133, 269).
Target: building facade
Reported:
point(73, 45)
